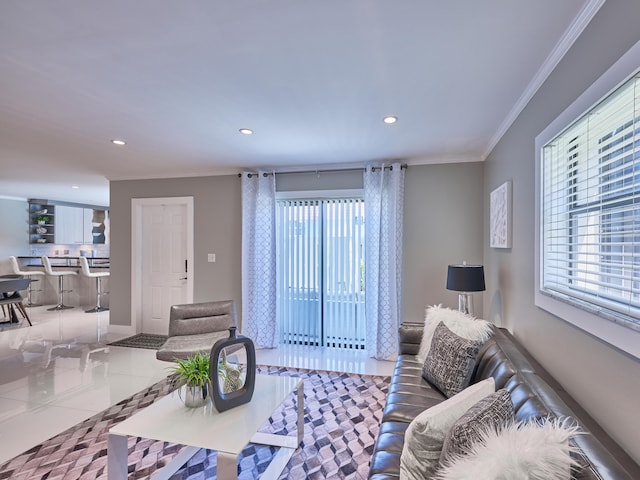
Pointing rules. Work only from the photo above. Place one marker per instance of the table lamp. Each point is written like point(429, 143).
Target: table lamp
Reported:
point(465, 279)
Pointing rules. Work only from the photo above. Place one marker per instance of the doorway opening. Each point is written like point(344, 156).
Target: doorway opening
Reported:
point(320, 272)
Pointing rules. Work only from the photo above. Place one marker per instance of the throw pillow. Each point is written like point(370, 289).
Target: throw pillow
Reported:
point(520, 451)
point(450, 361)
point(459, 323)
point(426, 433)
point(493, 411)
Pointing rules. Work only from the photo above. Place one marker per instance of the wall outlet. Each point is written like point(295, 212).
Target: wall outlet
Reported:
point(211, 257)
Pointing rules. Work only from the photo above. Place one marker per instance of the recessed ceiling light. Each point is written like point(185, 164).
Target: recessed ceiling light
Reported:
point(75, 186)
point(118, 142)
point(246, 131)
point(390, 119)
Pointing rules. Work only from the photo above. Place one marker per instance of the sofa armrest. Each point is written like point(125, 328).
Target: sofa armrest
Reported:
point(409, 337)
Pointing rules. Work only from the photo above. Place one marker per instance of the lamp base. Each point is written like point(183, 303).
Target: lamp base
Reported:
point(465, 303)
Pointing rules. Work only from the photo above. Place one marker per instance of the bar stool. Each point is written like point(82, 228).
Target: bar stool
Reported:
point(26, 273)
point(84, 266)
point(60, 274)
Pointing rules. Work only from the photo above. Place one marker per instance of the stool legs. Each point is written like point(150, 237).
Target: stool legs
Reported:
point(29, 302)
point(60, 305)
point(98, 307)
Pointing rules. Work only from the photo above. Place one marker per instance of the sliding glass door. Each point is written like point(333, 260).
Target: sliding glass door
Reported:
point(320, 258)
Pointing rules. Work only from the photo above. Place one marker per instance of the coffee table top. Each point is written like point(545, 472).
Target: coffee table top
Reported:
point(169, 420)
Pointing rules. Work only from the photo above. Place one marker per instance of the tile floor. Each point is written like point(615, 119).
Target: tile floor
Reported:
point(60, 372)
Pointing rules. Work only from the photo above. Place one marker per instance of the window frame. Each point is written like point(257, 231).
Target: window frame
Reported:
point(590, 319)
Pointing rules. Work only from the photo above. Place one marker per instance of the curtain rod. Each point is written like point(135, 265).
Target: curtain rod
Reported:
point(334, 170)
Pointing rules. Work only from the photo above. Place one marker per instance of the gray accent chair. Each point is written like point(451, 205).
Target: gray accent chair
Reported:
point(195, 327)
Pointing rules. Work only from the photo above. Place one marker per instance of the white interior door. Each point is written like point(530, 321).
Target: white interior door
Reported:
point(163, 238)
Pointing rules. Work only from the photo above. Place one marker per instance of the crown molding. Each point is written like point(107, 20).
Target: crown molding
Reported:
point(567, 40)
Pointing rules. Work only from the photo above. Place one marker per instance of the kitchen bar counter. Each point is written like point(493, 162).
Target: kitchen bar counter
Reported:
point(64, 261)
point(79, 291)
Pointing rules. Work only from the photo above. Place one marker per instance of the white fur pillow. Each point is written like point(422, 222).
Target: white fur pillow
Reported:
point(459, 323)
point(520, 451)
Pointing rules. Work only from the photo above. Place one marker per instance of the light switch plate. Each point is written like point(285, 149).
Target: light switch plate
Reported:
point(211, 257)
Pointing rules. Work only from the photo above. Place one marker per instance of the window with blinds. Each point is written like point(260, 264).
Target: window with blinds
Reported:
point(590, 209)
point(320, 272)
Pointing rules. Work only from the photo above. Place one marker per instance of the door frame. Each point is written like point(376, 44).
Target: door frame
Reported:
point(137, 212)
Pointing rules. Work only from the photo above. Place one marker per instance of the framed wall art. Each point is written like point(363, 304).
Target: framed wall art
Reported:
point(500, 216)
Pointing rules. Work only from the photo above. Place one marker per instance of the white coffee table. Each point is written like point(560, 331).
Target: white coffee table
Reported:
point(228, 432)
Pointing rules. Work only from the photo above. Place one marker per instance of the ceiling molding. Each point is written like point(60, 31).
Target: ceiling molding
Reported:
point(212, 173)
point(6, 197)
point(559, 51)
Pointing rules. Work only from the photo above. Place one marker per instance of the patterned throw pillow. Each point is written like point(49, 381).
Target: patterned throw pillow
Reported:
point(426, 433)
point(492, 412)
point(450, 362)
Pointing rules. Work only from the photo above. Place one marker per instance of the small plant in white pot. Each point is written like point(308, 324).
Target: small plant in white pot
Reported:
point(42, 219)
point(193, 378)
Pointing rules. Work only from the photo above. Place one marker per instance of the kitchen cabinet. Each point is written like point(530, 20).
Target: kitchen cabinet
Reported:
point(66, 223)
point(73, 225)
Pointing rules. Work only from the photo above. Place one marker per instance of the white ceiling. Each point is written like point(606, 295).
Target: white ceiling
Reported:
point(313, 79)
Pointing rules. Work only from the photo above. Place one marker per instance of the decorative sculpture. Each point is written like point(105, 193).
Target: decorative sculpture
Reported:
point(228, 389)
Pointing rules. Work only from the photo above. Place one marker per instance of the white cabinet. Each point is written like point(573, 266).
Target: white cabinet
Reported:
point(73, 225)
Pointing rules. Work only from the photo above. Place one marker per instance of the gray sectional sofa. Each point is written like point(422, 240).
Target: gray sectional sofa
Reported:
point(534, 394)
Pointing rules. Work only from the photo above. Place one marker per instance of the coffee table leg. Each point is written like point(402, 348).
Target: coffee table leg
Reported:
point(300, 409)
point(227, 466)
point(117, 457)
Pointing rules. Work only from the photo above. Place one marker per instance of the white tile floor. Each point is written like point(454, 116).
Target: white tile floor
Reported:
point(60, 372)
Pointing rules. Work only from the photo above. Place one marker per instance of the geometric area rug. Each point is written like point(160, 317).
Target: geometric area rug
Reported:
point(341, 422)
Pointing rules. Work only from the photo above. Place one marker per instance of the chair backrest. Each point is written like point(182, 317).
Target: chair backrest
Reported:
point(206, 317)
point(14, 265)
point(84, 266)
point(47, 265)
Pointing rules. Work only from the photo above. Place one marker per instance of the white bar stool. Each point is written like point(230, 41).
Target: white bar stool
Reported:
point(26, 273)
point(60, 274)
point(84, 266)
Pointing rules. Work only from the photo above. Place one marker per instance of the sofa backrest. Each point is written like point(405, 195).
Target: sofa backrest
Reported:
point(500, 360)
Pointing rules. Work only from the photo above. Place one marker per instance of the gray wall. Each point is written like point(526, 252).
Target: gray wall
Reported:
point(217, 229)
point(442, 225)
point(604, 381)
point(14, 231)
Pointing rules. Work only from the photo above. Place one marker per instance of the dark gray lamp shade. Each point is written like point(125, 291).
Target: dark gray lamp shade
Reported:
point(465, 278)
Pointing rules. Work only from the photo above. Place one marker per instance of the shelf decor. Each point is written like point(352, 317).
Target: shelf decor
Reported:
point(500, 216)
point(231, 384)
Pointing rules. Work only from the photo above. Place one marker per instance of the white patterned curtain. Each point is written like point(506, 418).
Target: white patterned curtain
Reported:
point(383, 200)
point(258, 258)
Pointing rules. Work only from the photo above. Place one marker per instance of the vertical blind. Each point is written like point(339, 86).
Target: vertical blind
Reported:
point(590, 205)
point(320, 271)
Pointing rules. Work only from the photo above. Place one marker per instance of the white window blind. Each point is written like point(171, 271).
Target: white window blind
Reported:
point(590, 205)
point(320, 271)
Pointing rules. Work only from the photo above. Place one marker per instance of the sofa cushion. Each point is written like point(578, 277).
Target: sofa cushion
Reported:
point(450, 362)
point(492, 412)
point(426, 433)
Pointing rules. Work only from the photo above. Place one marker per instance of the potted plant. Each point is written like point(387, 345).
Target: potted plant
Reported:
point(193, 378)
point(42, 219)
